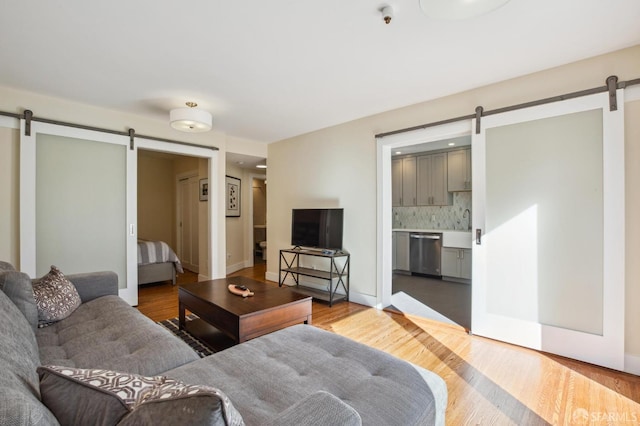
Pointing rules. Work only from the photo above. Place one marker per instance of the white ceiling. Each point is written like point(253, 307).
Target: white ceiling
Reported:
point(269, 70)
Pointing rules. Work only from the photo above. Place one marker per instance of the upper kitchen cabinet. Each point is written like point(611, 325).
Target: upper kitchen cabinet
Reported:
point(403, 185)
point(459, 170)
point(432, 180)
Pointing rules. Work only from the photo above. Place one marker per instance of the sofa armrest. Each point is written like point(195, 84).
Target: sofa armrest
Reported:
point(318, 409)
point(95, 284)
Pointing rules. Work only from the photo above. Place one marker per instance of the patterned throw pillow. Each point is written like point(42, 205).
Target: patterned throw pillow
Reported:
point(93, 396)
point(56, 297)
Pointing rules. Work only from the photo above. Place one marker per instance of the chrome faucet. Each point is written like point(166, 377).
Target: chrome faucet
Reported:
point(466, 213)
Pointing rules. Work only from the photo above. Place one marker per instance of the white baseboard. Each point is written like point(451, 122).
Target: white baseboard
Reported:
point(237, 266)
point(203, 277)
point(271, 276)
point(362, 299)
point(632, 364)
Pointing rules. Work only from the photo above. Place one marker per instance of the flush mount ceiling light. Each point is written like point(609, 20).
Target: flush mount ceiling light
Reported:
point(190, 119)
point(459, 9)
point(262, 165)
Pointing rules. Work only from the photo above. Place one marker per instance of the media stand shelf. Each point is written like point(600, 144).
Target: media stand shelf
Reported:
point(289, 265)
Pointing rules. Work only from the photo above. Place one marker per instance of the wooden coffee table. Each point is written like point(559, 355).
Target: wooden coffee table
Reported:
point(240, 319)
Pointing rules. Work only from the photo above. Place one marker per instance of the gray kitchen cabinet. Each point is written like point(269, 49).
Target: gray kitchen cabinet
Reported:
point(396, 182)
point(456, 262)
point(432, 180)
point(402, 251)
point(394, 257)
point(459, 170)
point(403, 182)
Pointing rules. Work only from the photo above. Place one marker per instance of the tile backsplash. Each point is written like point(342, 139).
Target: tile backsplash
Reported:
point(436, 217)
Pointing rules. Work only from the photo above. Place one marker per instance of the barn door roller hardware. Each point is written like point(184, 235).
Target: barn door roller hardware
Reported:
point(612, 86)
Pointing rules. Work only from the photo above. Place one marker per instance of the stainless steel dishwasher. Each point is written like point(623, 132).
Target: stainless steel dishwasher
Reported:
point(424, 253)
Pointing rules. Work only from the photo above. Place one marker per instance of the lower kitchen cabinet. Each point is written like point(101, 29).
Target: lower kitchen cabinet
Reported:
point(402, 251)
point(456, 262)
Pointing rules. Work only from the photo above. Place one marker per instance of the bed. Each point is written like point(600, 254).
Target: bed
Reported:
point(157, 262)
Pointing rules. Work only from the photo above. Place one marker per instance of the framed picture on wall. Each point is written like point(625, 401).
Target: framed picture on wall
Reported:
point(233, 196)
point(204, 189)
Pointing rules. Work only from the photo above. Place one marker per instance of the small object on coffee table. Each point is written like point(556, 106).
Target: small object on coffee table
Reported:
point(237, 289)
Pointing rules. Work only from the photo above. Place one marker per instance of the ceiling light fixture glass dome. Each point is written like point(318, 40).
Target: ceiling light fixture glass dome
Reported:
point(190, 119)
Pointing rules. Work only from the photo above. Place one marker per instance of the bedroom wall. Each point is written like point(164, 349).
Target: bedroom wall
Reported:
point(156, 198)
point(337, 167)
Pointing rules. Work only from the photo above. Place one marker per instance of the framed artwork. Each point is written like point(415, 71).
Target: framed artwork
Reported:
point(233, 196)
point(204, 189)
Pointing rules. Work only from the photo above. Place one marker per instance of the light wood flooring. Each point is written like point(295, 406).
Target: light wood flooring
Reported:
point(489, 382)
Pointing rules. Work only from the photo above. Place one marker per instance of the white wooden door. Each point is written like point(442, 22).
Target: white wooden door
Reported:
point(77, 201)
point(188, 222)
point(548, 204)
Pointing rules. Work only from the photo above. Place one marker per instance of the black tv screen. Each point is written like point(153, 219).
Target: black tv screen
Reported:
point(318, 228)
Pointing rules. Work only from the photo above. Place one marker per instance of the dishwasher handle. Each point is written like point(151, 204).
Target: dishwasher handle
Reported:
point(424, 237)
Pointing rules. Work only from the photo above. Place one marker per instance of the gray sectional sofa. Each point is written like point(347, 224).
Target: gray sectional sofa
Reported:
point(297, 376)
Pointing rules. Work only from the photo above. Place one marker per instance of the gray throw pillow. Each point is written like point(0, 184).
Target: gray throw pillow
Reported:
point(56, 297)
point(17, 286)
point(92, 396)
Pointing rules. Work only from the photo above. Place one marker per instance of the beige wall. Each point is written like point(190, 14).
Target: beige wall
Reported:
point(337, 166)
point(9, 154)
point(156, 199)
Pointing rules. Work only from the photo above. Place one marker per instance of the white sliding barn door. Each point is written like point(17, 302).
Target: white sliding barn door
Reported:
point(548, 202)
point(77, 202)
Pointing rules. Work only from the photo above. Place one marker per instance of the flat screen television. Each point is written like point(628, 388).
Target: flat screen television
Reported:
point(317, 228)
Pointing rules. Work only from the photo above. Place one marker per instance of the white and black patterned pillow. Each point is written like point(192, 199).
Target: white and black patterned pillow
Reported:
point(56, 297)
point(94, 396)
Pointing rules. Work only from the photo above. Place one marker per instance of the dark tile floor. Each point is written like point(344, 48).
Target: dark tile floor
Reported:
point(451, 299)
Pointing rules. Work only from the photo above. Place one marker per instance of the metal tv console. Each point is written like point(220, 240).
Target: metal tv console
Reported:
point(337, 269)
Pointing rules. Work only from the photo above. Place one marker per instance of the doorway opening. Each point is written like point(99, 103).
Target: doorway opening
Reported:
point(425, 208)
point(431, 192)
point(259, 194)
point(168, 208)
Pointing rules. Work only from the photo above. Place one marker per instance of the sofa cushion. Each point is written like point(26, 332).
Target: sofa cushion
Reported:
point(17, 286)
point(108, 333)
point(302, 360)
point(6, 266)
point(318, 409)
point(93, 396)
point(56, 298)
point(20, 402)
